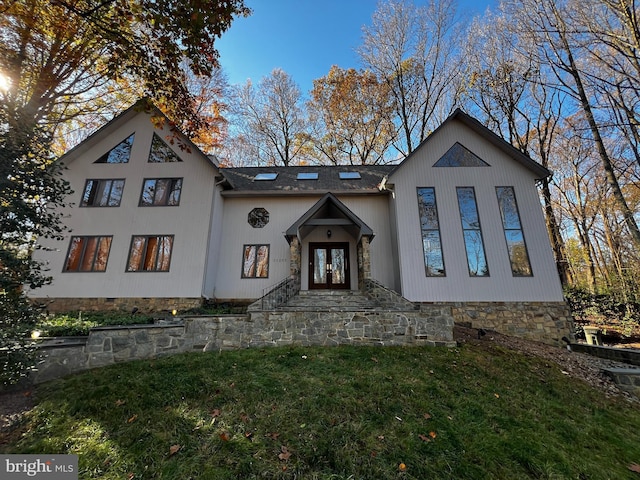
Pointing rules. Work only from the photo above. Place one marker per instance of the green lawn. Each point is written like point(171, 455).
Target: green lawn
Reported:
point(473, 412)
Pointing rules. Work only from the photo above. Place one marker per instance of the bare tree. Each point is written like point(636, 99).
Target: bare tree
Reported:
point(271, 118)
point(561, 44)
point(415, 50)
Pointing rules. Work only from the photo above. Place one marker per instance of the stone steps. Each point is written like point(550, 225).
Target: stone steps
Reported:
point(331, 301)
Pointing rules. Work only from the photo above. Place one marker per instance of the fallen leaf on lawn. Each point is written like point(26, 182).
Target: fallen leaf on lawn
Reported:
point(497, 395)
point(130, 476)
point(374, 359)
point(215, 412)
point(424, 438)
point(427, 416)
point(565, 373)
point(402, 467)
point(433, 434)
point(284, 453)
point(272, 435)
point(132, 419)
point(450, 417)
point(244, 417)
point(224, 436)
point(248, 436)
point(634, 467)
point(119, 402)
point(173, 449)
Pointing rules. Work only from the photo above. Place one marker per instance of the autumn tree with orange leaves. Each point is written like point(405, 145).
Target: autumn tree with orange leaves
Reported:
point(56, 57)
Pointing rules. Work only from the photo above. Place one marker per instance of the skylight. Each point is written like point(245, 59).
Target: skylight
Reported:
point(349, 175)
point(265, 176)
point(307, 176)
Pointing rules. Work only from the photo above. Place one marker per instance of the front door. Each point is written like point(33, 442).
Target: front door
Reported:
point(329, 266)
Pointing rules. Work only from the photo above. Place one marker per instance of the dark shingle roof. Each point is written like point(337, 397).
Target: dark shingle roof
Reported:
point(242, 179)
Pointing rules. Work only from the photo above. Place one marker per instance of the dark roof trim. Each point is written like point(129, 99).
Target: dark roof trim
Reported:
point(308, 217)
point(526, 161)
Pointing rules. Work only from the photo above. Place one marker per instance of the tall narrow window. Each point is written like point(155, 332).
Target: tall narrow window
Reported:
point(161, 191)
point(150, 253)
point(476, 260)
point(102, 193)
point(118, 154)
point(255, 261)
point(161, 152)
point(430, 227)
point(520, 265)
point(88, 254)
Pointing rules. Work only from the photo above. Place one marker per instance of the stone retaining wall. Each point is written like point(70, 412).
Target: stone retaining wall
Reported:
point(545, 322)
point(624, 355)
point(144, 305)
point(432, 326)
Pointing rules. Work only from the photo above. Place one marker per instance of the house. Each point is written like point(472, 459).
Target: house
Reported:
point(156, 224)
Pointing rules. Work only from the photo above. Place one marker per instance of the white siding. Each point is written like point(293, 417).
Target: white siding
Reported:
point(457, 285)
point(283, 212)
point(189, 222)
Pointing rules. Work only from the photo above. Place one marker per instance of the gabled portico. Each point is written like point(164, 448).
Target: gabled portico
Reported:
point(329, 247)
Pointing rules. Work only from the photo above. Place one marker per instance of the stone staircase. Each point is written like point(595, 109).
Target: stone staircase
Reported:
point(331, 301)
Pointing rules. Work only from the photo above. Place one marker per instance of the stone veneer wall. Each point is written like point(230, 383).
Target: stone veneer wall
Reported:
point(145, 305)
point(108, 345)
point(545, 322)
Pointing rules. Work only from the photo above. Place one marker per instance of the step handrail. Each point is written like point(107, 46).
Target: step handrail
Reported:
point(279, 294)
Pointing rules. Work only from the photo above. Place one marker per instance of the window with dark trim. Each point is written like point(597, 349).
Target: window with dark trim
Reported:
point(255, 261)
point(513, 234)
point(161, 152)
point(430, 228)
point(102, 193)
point(161, 192)
point(88, 254)
point(150, 253)
point(473, 243)
point(118, 154)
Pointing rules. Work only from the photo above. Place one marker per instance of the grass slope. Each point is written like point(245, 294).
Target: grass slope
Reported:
point(335, 413)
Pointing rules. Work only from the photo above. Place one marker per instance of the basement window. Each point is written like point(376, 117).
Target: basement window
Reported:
point(265, 176)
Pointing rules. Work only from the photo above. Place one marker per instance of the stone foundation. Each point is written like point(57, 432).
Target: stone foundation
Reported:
point(545, 322)
point(144, 305)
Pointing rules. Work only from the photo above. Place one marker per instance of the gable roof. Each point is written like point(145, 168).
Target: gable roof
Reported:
point(329, 211)
point(142, 105)
point(494, 139)
point(241, 180)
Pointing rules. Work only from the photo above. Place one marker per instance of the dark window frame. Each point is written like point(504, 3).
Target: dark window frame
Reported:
point(157, 140)
point(478, 229)
point(438, 230)
point(91, 198)
point(85, 239)
point(173, 182)
point(128, 141)
point(506, 230)
point(257, 247)
point(140, 268)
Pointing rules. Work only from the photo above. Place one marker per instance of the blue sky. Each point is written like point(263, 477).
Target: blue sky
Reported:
point(303, 37)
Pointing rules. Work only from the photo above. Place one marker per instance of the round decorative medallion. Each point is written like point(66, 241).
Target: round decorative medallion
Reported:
point(258, 217)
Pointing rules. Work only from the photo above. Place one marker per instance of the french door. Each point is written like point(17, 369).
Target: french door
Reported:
point(329, 266)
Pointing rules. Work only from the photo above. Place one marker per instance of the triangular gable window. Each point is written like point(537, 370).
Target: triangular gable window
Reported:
point(161, 152)
point(459, 156)
point(118, 154)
